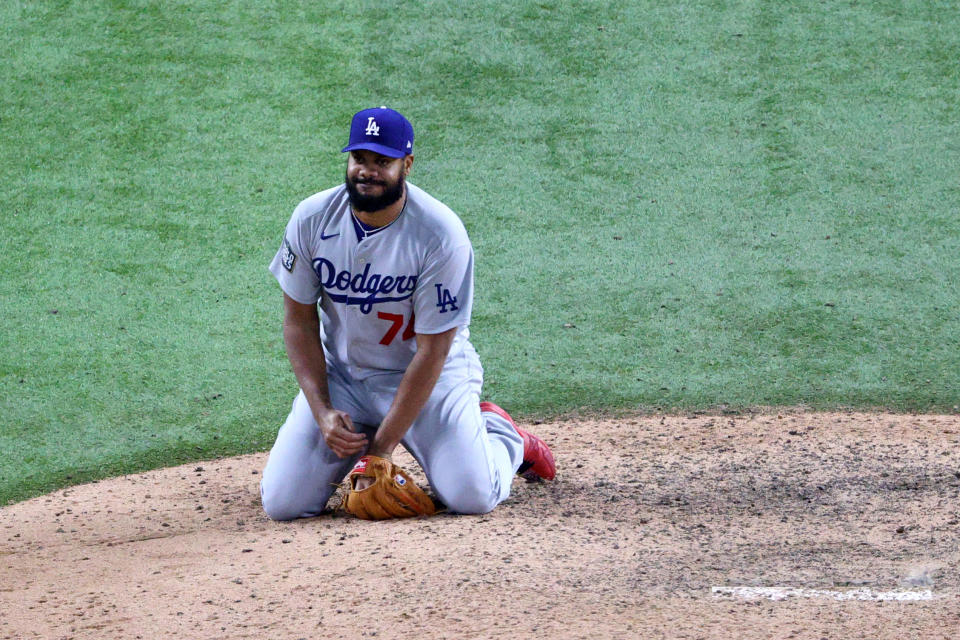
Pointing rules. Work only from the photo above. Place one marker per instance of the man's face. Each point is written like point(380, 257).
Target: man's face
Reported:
point(375, 181)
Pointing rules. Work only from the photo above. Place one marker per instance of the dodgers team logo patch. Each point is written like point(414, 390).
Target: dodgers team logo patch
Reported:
point(445, 300)
point(287, 256)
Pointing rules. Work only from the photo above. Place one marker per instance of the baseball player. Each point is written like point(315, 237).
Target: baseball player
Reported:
point(377, 280)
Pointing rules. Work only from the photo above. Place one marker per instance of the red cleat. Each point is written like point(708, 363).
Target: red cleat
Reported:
point(537, 458)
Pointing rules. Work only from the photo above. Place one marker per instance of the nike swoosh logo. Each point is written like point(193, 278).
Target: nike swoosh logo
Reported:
point(332, 235)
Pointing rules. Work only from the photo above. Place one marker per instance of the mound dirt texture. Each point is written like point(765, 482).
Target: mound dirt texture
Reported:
point(647, 517)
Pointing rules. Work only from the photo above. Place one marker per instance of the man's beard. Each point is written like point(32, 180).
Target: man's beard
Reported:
point(368, 203)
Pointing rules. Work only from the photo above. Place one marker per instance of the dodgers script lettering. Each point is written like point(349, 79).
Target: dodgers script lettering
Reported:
point(370, 288)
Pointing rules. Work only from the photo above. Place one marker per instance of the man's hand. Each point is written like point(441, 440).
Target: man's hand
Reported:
point(337, 430)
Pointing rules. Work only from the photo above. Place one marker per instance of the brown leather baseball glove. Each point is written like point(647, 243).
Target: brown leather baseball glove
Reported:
point(393, 493)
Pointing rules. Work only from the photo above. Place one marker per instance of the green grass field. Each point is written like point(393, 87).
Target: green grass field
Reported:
point(685, 207)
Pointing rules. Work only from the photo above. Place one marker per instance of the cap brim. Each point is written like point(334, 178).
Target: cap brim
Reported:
point(378, 148)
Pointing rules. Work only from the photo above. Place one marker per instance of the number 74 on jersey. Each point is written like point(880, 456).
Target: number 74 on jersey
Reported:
point(445, 301)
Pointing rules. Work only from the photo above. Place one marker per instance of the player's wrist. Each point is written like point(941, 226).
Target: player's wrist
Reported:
point(381, 451)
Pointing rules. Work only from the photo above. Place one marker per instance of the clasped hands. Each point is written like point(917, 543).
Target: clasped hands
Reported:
point(338, 432)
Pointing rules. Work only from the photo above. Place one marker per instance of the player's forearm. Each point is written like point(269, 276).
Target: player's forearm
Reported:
point(307, 361)
point(415, 388)
point(412, 394)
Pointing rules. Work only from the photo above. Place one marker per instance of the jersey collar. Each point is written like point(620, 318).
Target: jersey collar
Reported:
point(365, 231)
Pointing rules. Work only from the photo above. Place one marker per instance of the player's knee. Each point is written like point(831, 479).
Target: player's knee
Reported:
point(279, 512)
point(275, 506)
point(282, 505)
point(470, 498)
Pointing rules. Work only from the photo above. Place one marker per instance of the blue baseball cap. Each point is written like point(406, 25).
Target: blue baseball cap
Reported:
point(382, 130)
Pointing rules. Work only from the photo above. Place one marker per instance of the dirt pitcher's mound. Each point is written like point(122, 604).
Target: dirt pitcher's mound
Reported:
point(650, 530)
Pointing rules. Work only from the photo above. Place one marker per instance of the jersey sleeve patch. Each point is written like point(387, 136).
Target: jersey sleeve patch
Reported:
point(445, 300)
point(287, 256)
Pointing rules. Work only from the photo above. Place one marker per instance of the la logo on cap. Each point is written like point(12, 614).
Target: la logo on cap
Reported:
point(382, 131)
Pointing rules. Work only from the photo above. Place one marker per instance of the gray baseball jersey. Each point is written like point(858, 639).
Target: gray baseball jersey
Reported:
point(378, 288)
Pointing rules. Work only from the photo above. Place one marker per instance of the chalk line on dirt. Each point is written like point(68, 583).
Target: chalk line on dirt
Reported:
point(783, 593)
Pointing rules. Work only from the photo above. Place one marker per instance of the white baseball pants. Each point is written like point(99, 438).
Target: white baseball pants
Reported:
point(469, 458)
